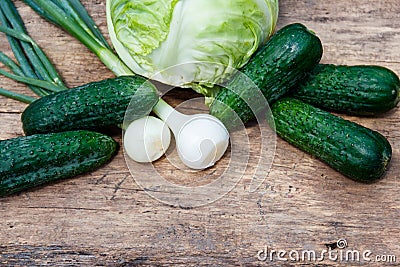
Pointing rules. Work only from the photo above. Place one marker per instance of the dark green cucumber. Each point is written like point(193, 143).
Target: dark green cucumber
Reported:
point(275, 69)
point(356, 90)
point(33, 160)
point(357, 152)
point(91, 106)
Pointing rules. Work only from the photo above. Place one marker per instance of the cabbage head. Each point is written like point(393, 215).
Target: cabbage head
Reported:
point(189, 43)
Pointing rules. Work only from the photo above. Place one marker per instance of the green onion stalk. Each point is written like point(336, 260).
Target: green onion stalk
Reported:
point(33, 67)
point(72, 17)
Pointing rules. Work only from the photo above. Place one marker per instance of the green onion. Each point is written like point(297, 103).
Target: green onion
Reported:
point(8, 62)
point(34, 69)
point(39, 61)
point(77, 10)
point(56, 11)
point(79, 13)
point(40, 11)
point(13, 19)
point(19, 53)
point(16, 96)
point(32, 81)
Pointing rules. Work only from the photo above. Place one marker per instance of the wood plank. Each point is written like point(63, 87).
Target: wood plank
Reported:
point(106, 219)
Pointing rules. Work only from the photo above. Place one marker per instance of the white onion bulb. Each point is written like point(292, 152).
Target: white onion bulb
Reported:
point(146, 139)
point(201, 139)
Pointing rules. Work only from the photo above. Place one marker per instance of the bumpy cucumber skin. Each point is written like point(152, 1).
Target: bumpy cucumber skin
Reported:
point(356, 90)
point(357, 152)
point(33, 160)
point(275, 69)
point(91, 106)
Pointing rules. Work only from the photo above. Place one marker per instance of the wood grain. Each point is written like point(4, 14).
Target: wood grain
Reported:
point(105, 219)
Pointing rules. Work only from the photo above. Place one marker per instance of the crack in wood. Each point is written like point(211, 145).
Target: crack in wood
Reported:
point(118, 187)
point(65, 208)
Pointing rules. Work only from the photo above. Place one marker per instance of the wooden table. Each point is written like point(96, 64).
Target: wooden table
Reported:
point(105, 218)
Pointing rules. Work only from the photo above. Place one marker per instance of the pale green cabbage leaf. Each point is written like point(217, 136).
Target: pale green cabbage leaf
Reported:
point(189, 43)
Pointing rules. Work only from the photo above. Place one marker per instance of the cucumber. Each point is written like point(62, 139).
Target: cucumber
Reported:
point(355, 90)
point(275, 69)
point(91, 106)
point(355, 151)
point(33, 160)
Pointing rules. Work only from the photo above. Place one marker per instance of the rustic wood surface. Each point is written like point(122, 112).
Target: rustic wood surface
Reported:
point(105, 218)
